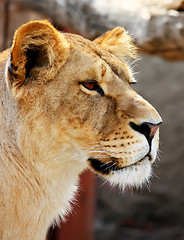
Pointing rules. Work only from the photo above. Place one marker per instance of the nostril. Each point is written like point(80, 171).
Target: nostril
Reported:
point(147, 129)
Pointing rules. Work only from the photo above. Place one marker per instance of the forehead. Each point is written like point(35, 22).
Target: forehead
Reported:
point(96, 59)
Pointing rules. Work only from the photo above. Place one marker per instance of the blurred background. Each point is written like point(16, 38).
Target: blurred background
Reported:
point(155, 212)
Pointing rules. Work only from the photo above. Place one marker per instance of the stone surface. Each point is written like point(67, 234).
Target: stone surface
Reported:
point(158, 29)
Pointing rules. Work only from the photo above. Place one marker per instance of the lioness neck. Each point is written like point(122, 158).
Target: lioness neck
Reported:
point(38, 190)
point(32, 202)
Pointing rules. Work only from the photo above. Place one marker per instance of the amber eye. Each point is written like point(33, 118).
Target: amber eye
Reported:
point(89, 85)
point(93, 85)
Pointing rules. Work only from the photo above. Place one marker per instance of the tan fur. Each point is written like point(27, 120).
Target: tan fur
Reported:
point(51, 125)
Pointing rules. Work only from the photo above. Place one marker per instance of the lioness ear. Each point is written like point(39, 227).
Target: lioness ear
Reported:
point(36, 46)
point(118, 42)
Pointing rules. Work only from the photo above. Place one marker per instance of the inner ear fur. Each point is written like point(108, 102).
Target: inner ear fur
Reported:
point(118, 42)
point(35, 45)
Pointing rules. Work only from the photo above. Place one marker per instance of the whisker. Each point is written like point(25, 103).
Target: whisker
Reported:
point(109, 166)
point(92, 143)
point(101, 157)
point(132, 67)
point(135, 73)
point(134, 61)
point(96, 151)
point(101, 185)
point(155, 176)
point(106, 164)
point(129, 60)
point(92, 148)
point(148, 186)
point(155, 164)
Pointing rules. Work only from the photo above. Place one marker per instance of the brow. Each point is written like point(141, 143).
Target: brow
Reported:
point(115, 71)
point(110, 64)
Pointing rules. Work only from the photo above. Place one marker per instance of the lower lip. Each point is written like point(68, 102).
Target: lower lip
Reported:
point(106, 169)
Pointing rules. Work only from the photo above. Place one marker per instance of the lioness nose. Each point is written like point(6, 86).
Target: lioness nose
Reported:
point(147, 129)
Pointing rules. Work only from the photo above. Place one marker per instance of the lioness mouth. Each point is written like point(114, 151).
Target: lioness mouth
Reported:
point(106, 168)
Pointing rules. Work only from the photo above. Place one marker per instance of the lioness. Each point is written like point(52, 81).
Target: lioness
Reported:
point(67, 105)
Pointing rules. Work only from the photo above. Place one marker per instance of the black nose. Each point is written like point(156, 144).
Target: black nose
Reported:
point(147, 129)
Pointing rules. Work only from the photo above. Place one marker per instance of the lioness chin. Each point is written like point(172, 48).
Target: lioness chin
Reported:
point(67, 105)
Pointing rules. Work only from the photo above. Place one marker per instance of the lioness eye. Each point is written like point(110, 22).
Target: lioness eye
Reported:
point(93, 85)
point(89, 85)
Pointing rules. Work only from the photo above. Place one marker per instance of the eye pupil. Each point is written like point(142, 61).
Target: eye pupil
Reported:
point(89, 85)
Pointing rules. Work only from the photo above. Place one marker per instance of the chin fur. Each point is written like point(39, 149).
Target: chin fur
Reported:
point(133, 176)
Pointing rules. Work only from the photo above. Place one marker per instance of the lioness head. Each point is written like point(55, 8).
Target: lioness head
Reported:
point(76, 105)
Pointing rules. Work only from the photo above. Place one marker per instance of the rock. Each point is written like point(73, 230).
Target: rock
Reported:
point(158, 28)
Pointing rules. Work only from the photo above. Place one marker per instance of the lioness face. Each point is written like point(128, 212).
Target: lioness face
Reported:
point(84, 102)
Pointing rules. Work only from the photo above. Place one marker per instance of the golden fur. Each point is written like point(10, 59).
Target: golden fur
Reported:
point(67, 105)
